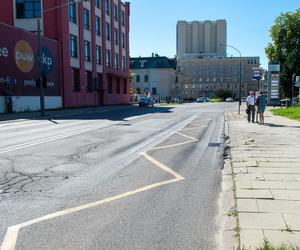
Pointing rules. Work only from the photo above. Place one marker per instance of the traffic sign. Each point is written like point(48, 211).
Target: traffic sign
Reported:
point(256, 74)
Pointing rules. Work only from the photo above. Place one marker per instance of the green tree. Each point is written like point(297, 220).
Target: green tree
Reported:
point(285, 48)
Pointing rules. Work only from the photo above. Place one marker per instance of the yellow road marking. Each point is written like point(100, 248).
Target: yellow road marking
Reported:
point(163, 167)
point(189, 137)
point(173, 145)
point(11, 236)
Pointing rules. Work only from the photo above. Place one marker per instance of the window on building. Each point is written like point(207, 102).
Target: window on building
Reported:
point(107, 31)
point(207, 66)
point(72, 12)
point(138, 78)
point(116, 36)
point(87, 51)
point(116, 12)
point(98, 26)
point(199, 66)
point(123, 18)
point(118, 87)
point(214, 73)
point(154, 91)
point(28, 8)
point(110, 85)
point(86, 19)
point(200, 79)
point(75, 80)
point(107, 7)
point(89, 81)
point(116, 61)
point(200, 73)
point(123, 40)
point(97, 3)
point(107, 58)
point(146, 78)
point(207, 79)
point(73, 46)
point(207, 73)
point(125, 87)
point(98, 54)
point(123, 63)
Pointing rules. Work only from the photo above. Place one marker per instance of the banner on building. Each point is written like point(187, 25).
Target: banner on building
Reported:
point(19, 66)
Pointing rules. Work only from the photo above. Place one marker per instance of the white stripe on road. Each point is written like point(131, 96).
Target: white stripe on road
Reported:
point(50, 139)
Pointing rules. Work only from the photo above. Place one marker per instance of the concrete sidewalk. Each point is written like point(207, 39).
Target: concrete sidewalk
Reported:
point(266, 165)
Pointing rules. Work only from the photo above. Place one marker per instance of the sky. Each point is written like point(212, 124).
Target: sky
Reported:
point(153, 23)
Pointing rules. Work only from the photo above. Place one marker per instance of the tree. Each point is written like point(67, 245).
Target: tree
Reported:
point(285, 48)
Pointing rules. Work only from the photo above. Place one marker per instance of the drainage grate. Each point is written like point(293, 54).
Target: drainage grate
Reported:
point(214, 144)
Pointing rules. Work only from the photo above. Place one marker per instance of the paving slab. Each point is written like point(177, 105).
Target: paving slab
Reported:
point(247, 205)
point(250, 239)
point(254, 194)
point(292, 184)
point(261, 221)
point(279, 177)
point(267, 185)
point(277, 206)
point(292, 221)
point(243, 184)
point(277, 238)
point(286, 194)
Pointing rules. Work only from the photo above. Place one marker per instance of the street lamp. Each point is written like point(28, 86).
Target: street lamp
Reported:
point(40, 64)
point(240, 85)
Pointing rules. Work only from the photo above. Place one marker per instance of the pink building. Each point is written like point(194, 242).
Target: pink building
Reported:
point(94, 42)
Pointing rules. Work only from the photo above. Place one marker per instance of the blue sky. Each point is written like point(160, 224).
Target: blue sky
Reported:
point(153, 23)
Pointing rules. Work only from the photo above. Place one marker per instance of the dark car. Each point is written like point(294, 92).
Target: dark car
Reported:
point(146, 102)
point(201, 99)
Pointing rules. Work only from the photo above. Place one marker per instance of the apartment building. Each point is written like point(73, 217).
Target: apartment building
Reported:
point(202, 38)
point(205, 76)
point(94, 44)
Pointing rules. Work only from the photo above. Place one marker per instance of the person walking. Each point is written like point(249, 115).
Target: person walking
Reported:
point(262, 101)
point(251, 106)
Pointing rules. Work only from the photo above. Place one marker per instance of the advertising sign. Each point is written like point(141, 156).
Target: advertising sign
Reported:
point(19, 63)
point(273, 83)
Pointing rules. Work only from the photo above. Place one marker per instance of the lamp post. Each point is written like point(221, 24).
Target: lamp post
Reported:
point(240, 85)
point(40, 64)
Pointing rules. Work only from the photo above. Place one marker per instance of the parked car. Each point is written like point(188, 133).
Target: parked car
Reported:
point(229, 99)
point(201, 99)
point(176, 100)
point(207, 99)
point(146, 102)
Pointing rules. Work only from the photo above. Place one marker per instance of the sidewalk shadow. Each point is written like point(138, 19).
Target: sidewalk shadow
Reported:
point(279, 125)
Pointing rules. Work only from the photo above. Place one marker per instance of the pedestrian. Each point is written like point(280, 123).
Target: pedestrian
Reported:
point(257, 94)
point(262, 101)
point(250, 101)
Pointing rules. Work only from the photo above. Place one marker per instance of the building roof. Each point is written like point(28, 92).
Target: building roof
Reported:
point(154, 62)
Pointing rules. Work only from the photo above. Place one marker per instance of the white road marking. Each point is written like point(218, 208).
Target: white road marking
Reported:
point(50, 139)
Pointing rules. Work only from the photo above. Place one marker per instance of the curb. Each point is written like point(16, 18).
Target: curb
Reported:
point(231, 237)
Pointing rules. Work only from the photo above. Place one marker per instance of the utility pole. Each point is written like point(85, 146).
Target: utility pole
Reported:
point(40, 65)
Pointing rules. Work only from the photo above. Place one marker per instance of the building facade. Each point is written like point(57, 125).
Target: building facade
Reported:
point(203, 38)
point(206, 76)
point(156, 74)
point(94, 45)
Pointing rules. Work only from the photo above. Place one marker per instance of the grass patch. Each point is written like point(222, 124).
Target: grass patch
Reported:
point(216, 100)
point(292, 113)
point(268, 246)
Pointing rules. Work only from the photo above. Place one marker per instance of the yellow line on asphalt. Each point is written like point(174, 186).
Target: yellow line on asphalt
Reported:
point(163, 167)
point(173, 145)
point(11, 236)
point(189, 137)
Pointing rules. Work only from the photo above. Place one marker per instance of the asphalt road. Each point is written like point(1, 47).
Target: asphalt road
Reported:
point(132, 178)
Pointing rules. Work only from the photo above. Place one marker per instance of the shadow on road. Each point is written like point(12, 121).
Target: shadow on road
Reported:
point(114, 113)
